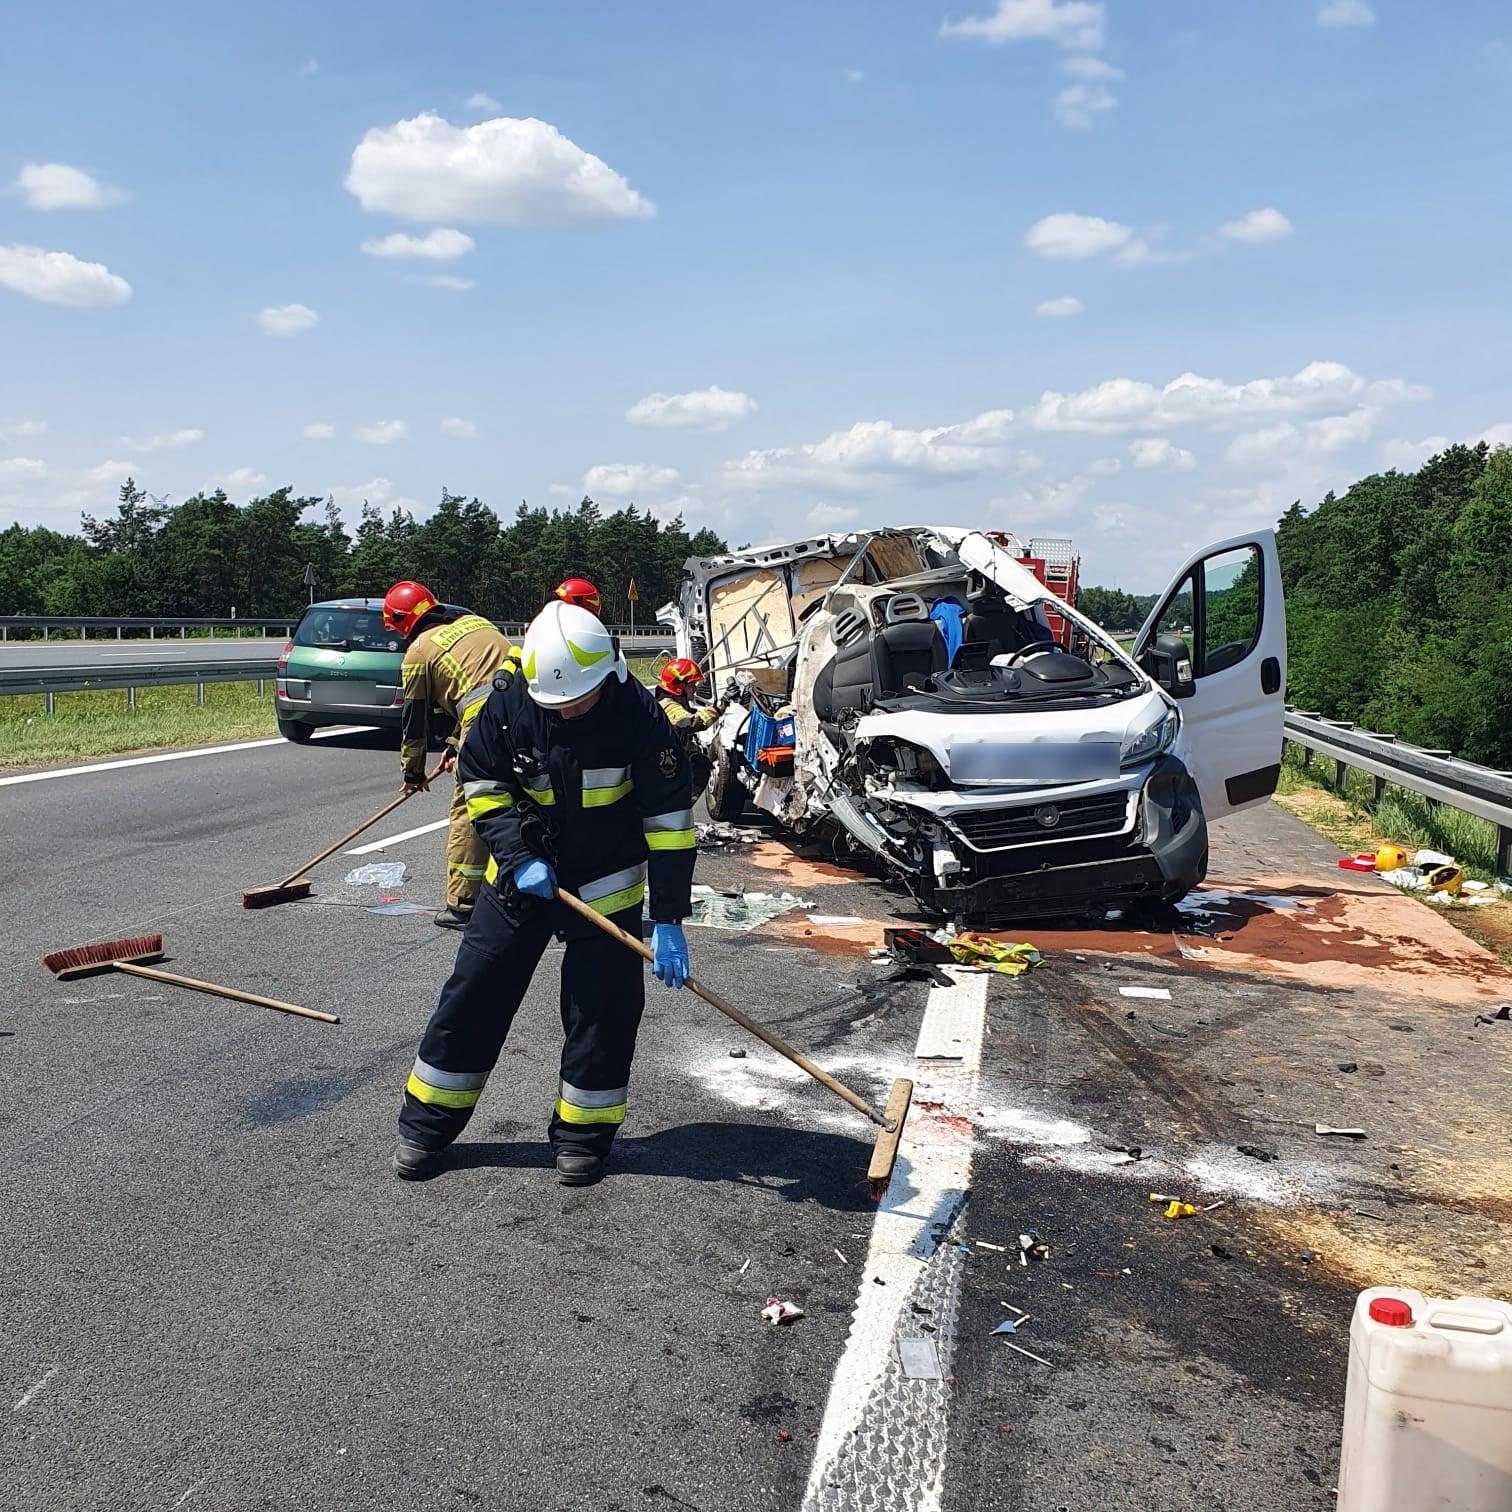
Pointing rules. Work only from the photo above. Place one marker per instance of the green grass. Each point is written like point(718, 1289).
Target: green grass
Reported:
point(1408, 819)
point(89, 725)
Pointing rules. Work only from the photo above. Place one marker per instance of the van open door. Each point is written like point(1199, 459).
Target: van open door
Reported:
point(1216, 640)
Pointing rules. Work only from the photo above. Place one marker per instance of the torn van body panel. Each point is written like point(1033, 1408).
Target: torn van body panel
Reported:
point(904, 688)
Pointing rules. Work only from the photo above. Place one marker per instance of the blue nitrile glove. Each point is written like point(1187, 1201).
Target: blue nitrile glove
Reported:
point(536, 878)
point(669, 954)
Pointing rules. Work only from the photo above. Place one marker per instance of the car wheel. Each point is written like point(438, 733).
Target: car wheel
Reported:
point(295, 730)
point(724, 797)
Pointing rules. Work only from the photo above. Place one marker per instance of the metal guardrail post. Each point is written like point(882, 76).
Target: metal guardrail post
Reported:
point(47, 703)
point(199, 693)
point(131, 700)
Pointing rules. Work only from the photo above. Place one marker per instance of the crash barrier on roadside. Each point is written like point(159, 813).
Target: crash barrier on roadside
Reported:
point(1437, 776)
point(103, 626)
point(49, 681)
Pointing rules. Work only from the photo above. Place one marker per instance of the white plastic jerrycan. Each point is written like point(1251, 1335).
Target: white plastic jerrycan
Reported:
point(1428, 1407)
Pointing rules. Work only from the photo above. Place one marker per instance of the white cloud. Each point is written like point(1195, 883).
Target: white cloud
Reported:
point(485, 104)
point(1078, 105)
point(1335, 433)
point(1346, 13)
point(60, 278)
point(22, 469)
point(1156, 451)
point(832, 516)
point(1082, 66)
point(57, 186)
point(711, 408)
point(1123, 404)
point(872, 447)
point(1068, 235)
point(853, 76)
point(1074, 24)
point(18, 428)
point(1397, 391)
point(113, 473)
point(1258, 226)
point(167, 441)
point(287, 320)
point(239, 480)
point(1060, 309)
point(1408, 456)
point(1105, 467)
point(320, 431)
point(441, 245)
point(463, 430)
point(620, 480)
point(382, 432)
point(1496, 435)
point(378, 491)
point(1252, 446)
point(309, 68)
point(518, 172)
point(448, 281)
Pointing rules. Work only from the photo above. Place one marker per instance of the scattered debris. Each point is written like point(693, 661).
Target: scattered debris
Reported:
point(1176, 1208)
point(919, 1358)
point(1308, 1256)
point(1007, 1326)
point(841, 1258)
point(744, 1268)
point(783, 1436)
point(1112, 1275)
point(377, 873)
point(916, 947)
point(777, 1311)
point(1161, 994)
point(398, 910)
point(1187, 952)
point(971, 949)
point(1343, 1133)
point(1221, 1252)
point(836, 920)
point(1255, 1152)
point(740, 911)
point(1131, 1153)
point(1028, 1354)
point(737, 1054)
point(1163, 1197)
point(1501, 1016)
point(1001, 1249)
point(878, 1281)
point(719, 833)
point(1032, 1247)
point(1348, 1066)
point(1363, 1213)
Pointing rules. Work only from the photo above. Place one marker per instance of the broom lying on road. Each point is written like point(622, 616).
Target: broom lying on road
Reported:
point(889, 1120)
point(128, 955)
point(296, 885)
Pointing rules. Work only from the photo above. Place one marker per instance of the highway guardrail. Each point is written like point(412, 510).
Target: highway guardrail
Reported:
point(1436, 775)
point(89, 678)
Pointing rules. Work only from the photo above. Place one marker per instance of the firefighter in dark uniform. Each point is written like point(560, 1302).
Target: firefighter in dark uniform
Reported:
point(572, 777)
point(674, 689)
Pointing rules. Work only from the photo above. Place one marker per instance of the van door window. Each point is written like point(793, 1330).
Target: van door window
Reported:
point(1230, 620)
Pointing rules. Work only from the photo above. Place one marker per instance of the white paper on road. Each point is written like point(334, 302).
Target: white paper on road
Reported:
point(1161, 994)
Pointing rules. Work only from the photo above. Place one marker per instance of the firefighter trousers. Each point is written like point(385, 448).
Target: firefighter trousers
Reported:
point(603, 995)
point(466, 854)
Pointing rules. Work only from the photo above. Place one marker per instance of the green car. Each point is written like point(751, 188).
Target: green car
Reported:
point(341, 668)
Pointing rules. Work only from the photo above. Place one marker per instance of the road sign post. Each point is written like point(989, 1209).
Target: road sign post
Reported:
point(633, 594)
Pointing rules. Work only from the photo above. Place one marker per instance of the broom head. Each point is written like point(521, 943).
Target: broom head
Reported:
point(86, 959)
point(885, 1151)
point(275, 893)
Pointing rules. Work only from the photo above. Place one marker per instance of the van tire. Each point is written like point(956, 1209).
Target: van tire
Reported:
point(295, 730)
point(725, 798)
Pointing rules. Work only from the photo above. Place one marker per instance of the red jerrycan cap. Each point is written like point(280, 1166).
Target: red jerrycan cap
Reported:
point(1391, 1311)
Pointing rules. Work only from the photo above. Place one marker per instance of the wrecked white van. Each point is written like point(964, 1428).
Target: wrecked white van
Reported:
point(901, 689)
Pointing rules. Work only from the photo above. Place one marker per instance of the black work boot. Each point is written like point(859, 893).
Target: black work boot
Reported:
point(414, 1162)
point(578, 1168)
point(453, 916)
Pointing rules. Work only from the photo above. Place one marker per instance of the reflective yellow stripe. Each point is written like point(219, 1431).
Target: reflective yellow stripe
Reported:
point(488, 803)
point(465, 871)
point(569, 1114)
point(658, 840)
point(409, 671)
point(491, 871)
point(603, 797)
point(540, 794)
point(442, 1097)
point(626, 898)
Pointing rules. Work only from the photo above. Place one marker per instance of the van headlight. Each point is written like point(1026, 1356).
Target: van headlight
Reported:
point(1142, 743)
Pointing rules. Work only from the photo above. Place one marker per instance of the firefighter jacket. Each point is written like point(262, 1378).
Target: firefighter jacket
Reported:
point(604, 797)
point(451, 667)
point(685, 720)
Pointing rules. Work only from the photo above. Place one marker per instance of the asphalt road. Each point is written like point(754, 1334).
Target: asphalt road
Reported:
point(216, 1296)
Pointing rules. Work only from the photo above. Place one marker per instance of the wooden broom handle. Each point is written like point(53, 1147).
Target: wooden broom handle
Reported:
point(730, 1011)
point(388, 808)
point(176, 980)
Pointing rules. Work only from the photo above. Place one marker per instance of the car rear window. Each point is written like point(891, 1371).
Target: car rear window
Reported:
point(347, 629)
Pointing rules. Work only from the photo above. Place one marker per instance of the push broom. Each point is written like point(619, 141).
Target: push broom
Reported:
point(131, 956)
point(296, 885)
point(889, 1120)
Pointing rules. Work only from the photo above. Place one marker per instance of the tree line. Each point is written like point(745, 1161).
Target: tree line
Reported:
point(206, 556)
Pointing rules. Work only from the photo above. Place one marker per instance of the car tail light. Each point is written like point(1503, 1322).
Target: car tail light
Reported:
point(283, 661)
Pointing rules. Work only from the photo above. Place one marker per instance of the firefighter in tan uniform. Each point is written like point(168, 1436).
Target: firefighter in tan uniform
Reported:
point(449, 664)
point(674, 689)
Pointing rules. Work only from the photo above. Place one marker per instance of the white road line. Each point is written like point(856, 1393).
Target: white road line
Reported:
point(136, 761)
point(930, 1181)
point(378, 845)
point(35, 1389)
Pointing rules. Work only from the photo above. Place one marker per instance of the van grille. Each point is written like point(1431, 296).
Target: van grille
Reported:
point(995, 829)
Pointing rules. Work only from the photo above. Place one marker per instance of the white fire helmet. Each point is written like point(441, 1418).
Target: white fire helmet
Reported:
point(567, 653)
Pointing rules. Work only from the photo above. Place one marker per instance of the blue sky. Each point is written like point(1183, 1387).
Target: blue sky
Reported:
point(780, 267)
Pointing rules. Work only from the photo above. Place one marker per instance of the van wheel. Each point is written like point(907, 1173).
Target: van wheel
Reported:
point(295, 730)
point(725, 797)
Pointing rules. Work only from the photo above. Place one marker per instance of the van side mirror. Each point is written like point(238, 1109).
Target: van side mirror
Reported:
point(1169, 662)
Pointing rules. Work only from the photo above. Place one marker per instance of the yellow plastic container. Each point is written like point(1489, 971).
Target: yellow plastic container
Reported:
point(1428, 1407)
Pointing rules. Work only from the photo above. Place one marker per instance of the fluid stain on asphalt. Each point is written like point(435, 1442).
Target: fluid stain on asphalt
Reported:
point(298, 1099)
